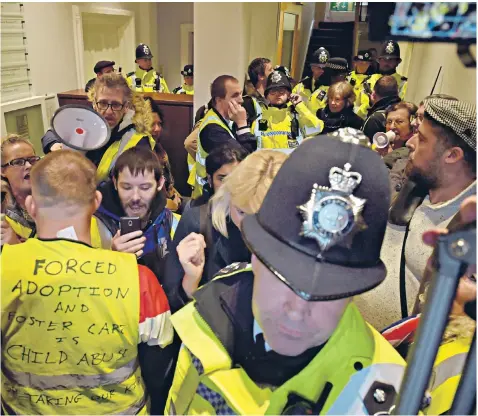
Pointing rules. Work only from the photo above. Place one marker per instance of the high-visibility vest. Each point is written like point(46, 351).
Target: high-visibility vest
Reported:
point(151, 81)
point(364, 105)
point(184, 89)
point(356, 80)
point(207, 382)
point(318, 99)
point(446, 375)
point(26, 232)
point(130, 139)
point(200, 166)
point(70, 329)
point(283, 128)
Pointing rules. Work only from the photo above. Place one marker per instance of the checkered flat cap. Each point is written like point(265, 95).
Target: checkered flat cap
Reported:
point(338, 64)
point(459, 116)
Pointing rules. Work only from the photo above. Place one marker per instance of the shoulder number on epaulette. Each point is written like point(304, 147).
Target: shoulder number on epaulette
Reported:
point(233, 269)
point(129, 74)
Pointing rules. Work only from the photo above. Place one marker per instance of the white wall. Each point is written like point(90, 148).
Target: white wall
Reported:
point(263, 30)
point(455, 79)
point(50, 47)
point(221, 45)
point(169, 17)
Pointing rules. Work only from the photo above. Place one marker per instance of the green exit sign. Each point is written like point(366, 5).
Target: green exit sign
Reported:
point(342, 6)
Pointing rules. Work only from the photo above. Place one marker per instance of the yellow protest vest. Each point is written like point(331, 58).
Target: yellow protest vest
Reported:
point(70, 329)
point(130, 139)
point(205, 381)
point(200, 175)
point(446, 375)
point(148, 81)
point(274, 127)
point(27, 232)
point(364, 99)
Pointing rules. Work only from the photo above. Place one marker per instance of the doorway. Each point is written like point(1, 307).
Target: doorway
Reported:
point(102, 33)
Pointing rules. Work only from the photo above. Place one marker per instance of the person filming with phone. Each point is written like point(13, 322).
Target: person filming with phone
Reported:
point(133, 215)
point(225, 120)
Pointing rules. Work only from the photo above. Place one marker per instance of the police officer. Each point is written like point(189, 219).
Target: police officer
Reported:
point(388, 61)
point(336, 70)
point(283, 336)
point(188, 85)
point(101, 67)
point(287, 120)
point(145, 78)
point(362, 72)
point(317, 65)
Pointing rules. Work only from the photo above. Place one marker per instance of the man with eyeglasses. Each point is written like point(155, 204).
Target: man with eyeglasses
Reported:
point(308, 85)
point(114, 100)
point(18, 157)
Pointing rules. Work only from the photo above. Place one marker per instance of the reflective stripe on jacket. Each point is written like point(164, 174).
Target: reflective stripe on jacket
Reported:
point(70, 330)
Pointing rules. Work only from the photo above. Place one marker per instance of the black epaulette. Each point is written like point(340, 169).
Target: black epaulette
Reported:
point(233, 268)
point(129, 74)
point(176, 90)
point(404, 79)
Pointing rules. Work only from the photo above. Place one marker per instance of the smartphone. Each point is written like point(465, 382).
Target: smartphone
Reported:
point(129, 225)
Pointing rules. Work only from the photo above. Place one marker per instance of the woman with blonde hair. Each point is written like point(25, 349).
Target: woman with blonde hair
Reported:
point(206, 242)
point(339, 111)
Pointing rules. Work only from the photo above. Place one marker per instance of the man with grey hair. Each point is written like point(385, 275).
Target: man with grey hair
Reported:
point(442, 164)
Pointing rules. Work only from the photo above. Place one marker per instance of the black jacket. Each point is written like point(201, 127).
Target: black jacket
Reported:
point(376, 119)
point(214, 135)
point(221, 253)
point(111, 205)
point(335, 121)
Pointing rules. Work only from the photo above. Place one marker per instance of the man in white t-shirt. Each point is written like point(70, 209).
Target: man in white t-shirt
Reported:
point(443, 163)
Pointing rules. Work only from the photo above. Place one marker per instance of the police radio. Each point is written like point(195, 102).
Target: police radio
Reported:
point(137, 82)
point(157, 83)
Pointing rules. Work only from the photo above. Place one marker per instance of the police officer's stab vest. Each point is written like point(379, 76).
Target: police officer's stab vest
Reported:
point(207, 382)
point(130, 139)
point(146, 81)
point(361, 108)
point(199, 170)
point(70, 329)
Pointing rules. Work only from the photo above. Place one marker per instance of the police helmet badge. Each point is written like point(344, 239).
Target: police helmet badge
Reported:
point(333, 215)
point(366, 55)
point(389, 48)
point(146, 50)
point(189, 71)
point(276, 77)
point(323, 57)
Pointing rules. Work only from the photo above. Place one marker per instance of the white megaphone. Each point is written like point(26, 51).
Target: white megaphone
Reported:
point(382, 140)
point(81, 128)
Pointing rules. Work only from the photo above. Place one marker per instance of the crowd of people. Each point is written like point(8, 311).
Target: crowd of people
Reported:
point(277, 287)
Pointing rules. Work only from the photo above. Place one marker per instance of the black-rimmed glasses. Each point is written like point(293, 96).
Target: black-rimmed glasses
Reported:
point(103, 106)
point(22, 160)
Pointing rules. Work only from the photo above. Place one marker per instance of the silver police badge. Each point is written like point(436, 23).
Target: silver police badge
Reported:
point(323, 57)
point(276, 77)
point(146, 50)
point(389, 48)
point(333, 214)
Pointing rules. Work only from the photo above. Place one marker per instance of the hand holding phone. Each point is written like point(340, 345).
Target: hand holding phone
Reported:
point(129, 238)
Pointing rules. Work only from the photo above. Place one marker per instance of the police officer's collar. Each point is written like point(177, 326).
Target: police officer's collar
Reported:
point(390, 72)
point(146, 70)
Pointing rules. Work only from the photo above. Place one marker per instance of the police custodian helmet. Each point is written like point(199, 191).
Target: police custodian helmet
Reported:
point(321, 226)
point(143, 52)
